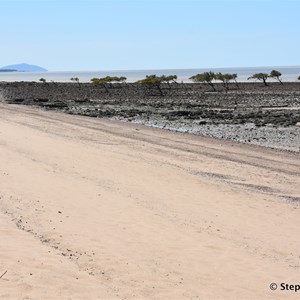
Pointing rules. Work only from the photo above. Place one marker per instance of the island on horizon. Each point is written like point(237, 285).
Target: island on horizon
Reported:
point(22, 68)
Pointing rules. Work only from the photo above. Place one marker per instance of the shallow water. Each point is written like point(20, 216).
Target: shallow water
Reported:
point(289, 74)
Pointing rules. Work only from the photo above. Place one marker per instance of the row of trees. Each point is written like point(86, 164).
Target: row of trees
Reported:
point(206, 77)
point(157, 81)
point(209, 77)
point(149, 81)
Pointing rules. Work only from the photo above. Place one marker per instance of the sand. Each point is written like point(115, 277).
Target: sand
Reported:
point(99, 209)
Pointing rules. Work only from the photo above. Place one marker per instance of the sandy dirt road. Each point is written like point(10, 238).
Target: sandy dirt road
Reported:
point(96, 209)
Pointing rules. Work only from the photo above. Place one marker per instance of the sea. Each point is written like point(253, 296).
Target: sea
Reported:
point(289, 74)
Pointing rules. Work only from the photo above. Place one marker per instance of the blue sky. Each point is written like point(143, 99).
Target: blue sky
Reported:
point(116, 35)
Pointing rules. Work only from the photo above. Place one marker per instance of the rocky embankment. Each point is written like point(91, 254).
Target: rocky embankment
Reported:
point(248, 112)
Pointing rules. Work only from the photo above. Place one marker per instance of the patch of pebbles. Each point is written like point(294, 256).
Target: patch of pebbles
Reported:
point(284, 138)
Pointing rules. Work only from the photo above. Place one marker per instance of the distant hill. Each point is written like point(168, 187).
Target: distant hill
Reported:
point(24, 68)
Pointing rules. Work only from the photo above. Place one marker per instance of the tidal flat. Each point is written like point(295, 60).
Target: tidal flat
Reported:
point(249, 113)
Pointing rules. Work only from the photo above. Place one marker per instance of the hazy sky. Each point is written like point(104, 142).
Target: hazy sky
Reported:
point(113, 35)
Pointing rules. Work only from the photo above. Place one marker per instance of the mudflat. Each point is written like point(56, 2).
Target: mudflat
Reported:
point(249, 113)
point(101, 209)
